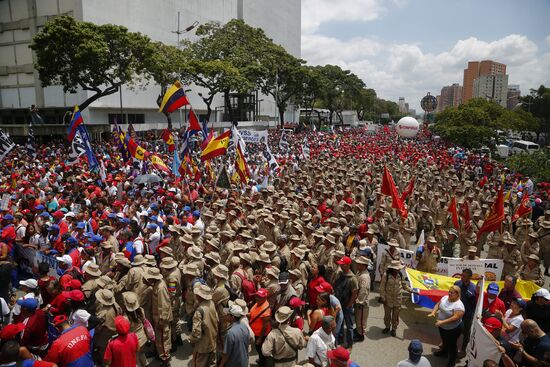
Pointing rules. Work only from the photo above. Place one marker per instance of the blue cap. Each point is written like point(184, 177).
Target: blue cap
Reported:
point(7, 217)
point(71, 240)
point(44, 214)
point(493, 289)
point(96, 238)
point(111, 215)
point(154, 206)
point(125, 220)
point(521, 302)
point(186, 208)
point(152, 226)
point(88, 234)
point(53, 227)
point(153, 218)
point(30, 303)
point(81, 225)
point(196, 213)
point(40, 207)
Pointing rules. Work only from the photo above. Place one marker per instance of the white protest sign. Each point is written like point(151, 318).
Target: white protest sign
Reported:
point(490, 268)
point(481, 346)
point(254, 136)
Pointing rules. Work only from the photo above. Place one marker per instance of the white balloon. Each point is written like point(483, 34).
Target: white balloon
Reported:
point(407, 127)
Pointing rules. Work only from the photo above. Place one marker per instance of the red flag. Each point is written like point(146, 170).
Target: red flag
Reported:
point(496, 215)
point(454, 214)
point(408, 190)
point(465, 214)
point(389, 189)
point(193, 122)
point(168, 139)
point(524, 208)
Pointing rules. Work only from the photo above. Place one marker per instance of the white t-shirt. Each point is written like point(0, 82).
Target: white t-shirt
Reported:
point(318, 345)
point(447, 309)
point(514, 321)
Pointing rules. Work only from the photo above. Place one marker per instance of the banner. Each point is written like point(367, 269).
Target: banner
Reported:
point(30, 258)
point(254, 136)
point(431, 287)
point(490, 268)
point(6, 145)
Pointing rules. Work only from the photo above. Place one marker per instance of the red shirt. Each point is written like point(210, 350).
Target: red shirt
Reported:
point(311, 292)
point(72, 348)
point(490, 309)
point(35, 333)
point(121, 351)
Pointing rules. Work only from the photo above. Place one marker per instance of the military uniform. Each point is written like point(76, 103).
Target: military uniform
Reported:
point(282, 344)
point(362, 302)
point(533, 274)
point(203, 334)
point(161, 305)
point(529, 249)
point(512, 261)
point(173, 280)
point(391, 288)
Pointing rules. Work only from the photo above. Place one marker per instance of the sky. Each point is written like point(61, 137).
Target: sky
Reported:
point(406, 48)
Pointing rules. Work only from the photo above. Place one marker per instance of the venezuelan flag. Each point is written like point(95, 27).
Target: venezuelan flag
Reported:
point(430, 288)
point(217, 146)
point(76, 121)
point(173, 99)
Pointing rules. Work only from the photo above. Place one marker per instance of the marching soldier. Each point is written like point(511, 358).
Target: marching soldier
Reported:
point(361, 308)
point(205, 328)
point(172, 278)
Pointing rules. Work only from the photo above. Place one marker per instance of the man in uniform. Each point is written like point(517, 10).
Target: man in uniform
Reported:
point(204, 331)
point(511, 257)
point(161, 305)
point(544, 240)
point(362, 302)
point(172, 277)
point(283, 343)
point(532, 271)
point(428, 256)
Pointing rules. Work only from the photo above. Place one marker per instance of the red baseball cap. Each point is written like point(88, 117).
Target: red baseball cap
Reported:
point(341, 354)
point(346, 260)
point(262, 292)
point(10, 331)
point(296, 302)
point(492, 324)
point(324, 287)
point(58, 214)
point(59, 319)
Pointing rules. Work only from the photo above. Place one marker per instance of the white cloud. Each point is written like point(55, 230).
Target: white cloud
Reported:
point(316, 12)
point(395, 70)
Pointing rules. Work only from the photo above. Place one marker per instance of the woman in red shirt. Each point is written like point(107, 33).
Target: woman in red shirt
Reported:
point(317, 274)
point(122, 350)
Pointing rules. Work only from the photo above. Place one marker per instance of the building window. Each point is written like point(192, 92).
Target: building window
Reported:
point(131, 118)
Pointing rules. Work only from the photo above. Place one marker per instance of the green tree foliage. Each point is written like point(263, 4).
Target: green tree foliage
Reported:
point(538, 104)
point(96, 58)
point(536, 165)
point(363, 102)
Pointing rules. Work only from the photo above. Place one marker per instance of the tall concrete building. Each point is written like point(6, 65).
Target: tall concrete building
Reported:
point(492, 87)
point(20, 20)
point(512, 97)
point(475, 70)
point(451, 96)
point(403, 106)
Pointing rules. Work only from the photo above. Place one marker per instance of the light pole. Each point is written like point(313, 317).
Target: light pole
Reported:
point(179, 32)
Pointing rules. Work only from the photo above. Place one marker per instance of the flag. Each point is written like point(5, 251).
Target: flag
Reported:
point(30, 144)
point(495, 217)
point(217, 146)
point(283, 143)
point(176, 163)
point(238, 139)
point(209, 170)
point(209, 137)
point(241, 167)
point(408, 190)
point(223, 179)
point(13, 178)
point(168, 138)
point(159, 164)
point(6, 145)
point(185, 166)
point(77, 150)
point(454, 213)
point(102, 171)
point(389, 189)
point(465, 214)
point(524, 207)
point(173, 99)
point(132, 132)
point(205, 128)
point(76, 121)
point(431, 287)
point(194, 125)
point(92, 160)
point(134, 148)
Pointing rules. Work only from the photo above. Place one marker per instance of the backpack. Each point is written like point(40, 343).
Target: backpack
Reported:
point(248, 288)
point(342, 289)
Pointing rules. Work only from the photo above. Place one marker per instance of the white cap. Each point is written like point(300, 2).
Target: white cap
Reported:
point(544, 293)
point(30, 283)
point(80, 318)
point(69, 214)
point(235, 310)
point(67, 259)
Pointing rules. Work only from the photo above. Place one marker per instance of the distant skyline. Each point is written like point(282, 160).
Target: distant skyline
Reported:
point(406, 48)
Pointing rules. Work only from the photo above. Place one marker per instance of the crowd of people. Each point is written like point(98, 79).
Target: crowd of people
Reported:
point(123, 272)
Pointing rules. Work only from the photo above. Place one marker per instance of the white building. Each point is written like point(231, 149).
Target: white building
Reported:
point(21, 19)
point(492, 87)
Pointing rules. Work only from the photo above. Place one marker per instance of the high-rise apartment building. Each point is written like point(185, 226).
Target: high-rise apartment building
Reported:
point(492, 87)
point(512, 98)
point(475, 70)
point(403, 106)
point(451, 96)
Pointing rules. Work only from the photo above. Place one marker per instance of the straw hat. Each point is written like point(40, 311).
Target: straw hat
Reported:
point(393, 243)
point(214, 256)
point(93, 270)
point(167, 250)
point(168, 263)
point(191, 269)
point(105, 297)
point(195, 252)
point(203, 291)
point(130, 300)
point(138, 260)
point(362, 260)
point(150, 260)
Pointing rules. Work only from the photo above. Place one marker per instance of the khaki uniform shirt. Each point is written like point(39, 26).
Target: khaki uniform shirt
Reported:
point(283, 343)
point(205, 328)
point(363, 279)
point(535, 275)
point(161, 303)
point(391, 288)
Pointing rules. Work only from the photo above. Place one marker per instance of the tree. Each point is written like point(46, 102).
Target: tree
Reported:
point(538, 103)
point(96, 58)
point(363, 103)
point(311, 91)
point(534, 165)
point(284, 77)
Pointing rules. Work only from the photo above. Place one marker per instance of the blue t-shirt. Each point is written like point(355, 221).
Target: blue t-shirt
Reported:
point(235, 345)
point(468, 298)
